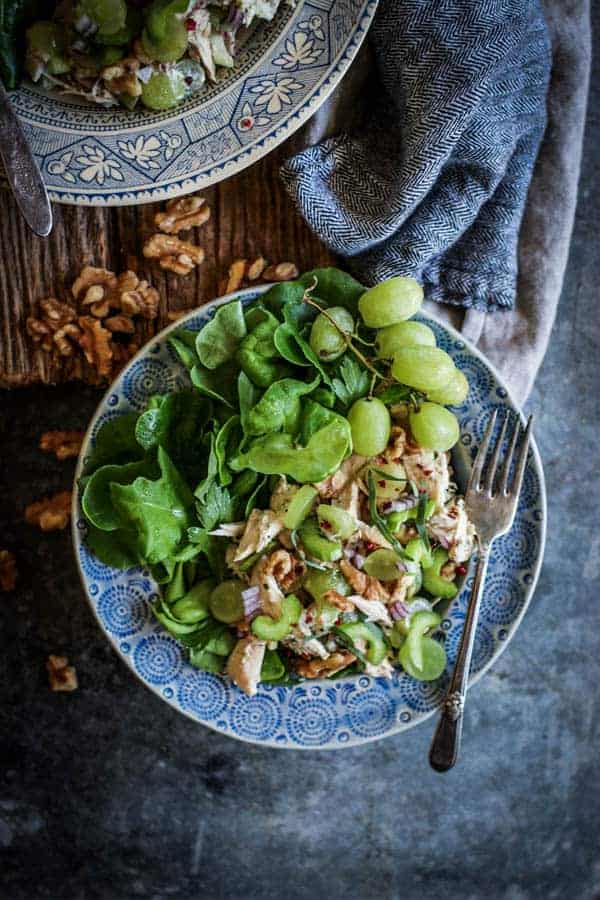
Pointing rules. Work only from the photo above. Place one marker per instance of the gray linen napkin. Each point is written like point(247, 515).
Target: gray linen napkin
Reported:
point(515, 338)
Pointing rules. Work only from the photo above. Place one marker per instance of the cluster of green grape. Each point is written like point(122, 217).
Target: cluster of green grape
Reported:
point(415, 361)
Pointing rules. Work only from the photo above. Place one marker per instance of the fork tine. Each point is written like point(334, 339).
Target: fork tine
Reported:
point(479, 463)
point(521, 461)
point(505, 471)
point(491, 473)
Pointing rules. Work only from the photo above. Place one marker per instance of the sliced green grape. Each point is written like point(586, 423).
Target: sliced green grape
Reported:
point(163, 91)
point(393, 485)
point(403, 334)
point(370, 423)
point(391, 301)
point(325, 339)
point(433, 658)
point(434, 427)
point(423, 368)
point(316, 545)
point(317, 583)
point(226, 602)
point(300, 506)
point(383, 564)
point(335, 522)
point(453, 393)
point(171, 47)
point(109, 15)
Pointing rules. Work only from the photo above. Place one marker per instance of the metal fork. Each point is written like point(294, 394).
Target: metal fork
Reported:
point(491, 505)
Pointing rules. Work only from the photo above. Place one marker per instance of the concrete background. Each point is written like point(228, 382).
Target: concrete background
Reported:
point(108, 793)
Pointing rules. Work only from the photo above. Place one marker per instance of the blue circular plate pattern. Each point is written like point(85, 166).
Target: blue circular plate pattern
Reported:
point(113, 157)
point(321, 714)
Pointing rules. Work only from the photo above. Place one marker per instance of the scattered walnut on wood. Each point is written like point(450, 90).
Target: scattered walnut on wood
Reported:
point(8, 571)
point(51, 513)
point(121, 324)
point(96, 288)
point(173, 254)
point(96, 344)
point(62, 443)
point(317, 668)
point(66, 337)
point(61, 676)
point(256, 268)
point(235, 276)
point(284, 271)
point(137, 297)
point(54, 316)
point(182, 215)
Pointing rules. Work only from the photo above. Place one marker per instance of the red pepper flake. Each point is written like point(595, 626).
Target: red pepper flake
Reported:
point(428, 472)
point(338, 620)
point(381, 460)
point(452, 513)
point(326, 525)
point(461, 570)
point(190, 24)
point(381, 483)
point(371, 545)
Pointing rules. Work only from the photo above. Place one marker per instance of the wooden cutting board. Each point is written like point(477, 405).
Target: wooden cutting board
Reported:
point(251, 216)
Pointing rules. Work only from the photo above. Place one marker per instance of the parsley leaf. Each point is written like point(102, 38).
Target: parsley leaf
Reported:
point(216, 506)
point(353, 382)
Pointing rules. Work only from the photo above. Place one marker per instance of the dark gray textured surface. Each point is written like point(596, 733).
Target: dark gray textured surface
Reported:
point(108, 793)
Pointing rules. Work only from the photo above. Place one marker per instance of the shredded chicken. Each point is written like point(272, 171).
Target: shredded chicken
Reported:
point(261, 528)
point(374, 610)
point(271, 595)
point(334, 484)
point(383, 670)
point(429, 473)
point(245, 663)
point(400, 588)
point(318, 668)
point(349, 499)
point(368, 587)
point(372, 535)
point(452, 529)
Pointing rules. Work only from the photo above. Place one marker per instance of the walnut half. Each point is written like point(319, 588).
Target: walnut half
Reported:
point(62, 443)
point(182, 214)
point(322, 668)
point(51, 513)
point(61, 676)
point(8, 571)
point(173, 254)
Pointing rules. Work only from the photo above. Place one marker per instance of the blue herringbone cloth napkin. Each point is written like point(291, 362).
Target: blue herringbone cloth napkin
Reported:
point(434, 183)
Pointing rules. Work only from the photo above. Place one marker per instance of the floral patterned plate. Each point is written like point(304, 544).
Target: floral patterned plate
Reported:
point(114, 157)
point(315, 714)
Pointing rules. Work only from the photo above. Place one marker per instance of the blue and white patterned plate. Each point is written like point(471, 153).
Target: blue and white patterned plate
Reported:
point(115, 157)
point(320, 714)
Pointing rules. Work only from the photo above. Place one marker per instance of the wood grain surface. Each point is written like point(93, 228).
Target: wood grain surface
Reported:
point(251, 215)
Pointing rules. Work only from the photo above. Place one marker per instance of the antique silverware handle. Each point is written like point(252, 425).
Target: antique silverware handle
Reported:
point(446, 740)
point(22, 170)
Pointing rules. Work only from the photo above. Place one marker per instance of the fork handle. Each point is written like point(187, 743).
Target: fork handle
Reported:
point(446, 740)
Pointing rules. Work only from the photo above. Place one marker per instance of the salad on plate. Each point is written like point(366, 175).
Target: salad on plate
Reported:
point(136, 53)
point(295, 504)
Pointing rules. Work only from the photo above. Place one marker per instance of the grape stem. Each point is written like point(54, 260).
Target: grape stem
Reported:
point(347, 340)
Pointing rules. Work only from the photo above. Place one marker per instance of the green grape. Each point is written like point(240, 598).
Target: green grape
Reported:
point(109, 15)
point(44, 38)
point(423, 368)
point(317, 583)
point(389, 488)
point(163, 90)
point(403, 334)
point(171, 47)
point(434, 427)
point(453, 393)
point(335, 522)
point(384, 565)
point(370, 424)
point(325, 339)
point(391, 301)
point(226, 602)
point(433, 658)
